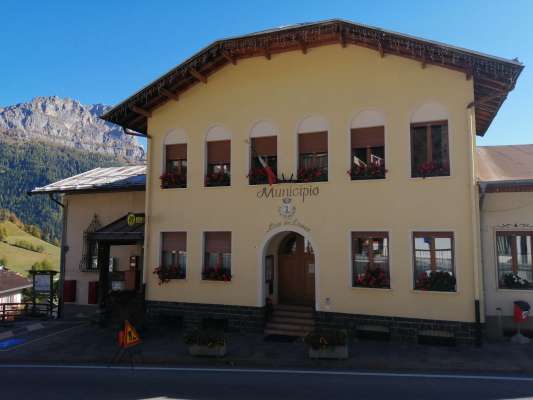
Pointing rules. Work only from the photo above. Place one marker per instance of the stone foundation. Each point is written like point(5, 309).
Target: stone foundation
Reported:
point(399, 329)
point(194, 315)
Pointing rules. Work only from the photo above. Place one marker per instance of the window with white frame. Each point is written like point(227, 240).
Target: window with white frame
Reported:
point(515, 259)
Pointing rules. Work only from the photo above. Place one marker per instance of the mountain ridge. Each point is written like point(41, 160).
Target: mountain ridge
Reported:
point(67, 122)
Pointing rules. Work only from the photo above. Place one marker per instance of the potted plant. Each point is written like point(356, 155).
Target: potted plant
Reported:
point(373, 170)
point(511, 280)
point(438, 281)
point(312, 175)
point(331, 344)
point(372, 278)
point(433, 168)
point(206, 343)
point(221, 178)
point(173, 179)
point(165, 274)
point(216, 274)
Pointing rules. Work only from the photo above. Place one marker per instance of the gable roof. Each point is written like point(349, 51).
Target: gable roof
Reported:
point(506, 168)
point(494, 77)
point(99, 179)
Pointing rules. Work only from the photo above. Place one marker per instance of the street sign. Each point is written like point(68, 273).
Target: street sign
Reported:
point(128, 336)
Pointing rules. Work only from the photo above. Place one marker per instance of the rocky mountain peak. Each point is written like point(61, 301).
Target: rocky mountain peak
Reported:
point(67, 122)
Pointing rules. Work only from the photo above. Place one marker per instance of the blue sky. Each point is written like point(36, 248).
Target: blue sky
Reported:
point(103, 51)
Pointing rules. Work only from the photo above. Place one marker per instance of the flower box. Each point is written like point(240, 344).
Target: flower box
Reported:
point(217, 179)
point(203, 343)
point(312, 175)
point(165, 274)
point(371, 171)
point(216, 275)
point(432, 168)
point(511, 280)
point(330, 353)
point(173, 180)
point(206, 351)
point(372, 278)
point(327, 344)
point(436, 281)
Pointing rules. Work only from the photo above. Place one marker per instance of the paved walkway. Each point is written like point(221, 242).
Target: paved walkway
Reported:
point(88, 343)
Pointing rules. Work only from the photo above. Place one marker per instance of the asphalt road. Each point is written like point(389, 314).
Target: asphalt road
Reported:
point(30, 382)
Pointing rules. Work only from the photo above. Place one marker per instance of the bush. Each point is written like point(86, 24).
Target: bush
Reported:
point(323, 339)
point(29, 246)
point(205, 338)
point(3, 233)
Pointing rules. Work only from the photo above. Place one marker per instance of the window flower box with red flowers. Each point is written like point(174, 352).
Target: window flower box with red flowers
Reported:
point(258, 176)
point(372, 278)
point(374, 170)
point(165, 274)
point(437, 281)
point(214, 274)
point(433, 168)
point(221, 178)
point(173, 179)
point(312, 175)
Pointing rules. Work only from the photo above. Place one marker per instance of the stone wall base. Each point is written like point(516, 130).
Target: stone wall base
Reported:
point(398, 329)
point(194, 315)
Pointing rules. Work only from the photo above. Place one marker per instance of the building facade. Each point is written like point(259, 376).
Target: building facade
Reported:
point(324, 168)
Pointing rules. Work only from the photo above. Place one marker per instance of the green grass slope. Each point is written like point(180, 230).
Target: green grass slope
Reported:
point(19, 259)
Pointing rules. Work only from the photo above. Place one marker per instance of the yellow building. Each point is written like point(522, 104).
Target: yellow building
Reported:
point(325, 169)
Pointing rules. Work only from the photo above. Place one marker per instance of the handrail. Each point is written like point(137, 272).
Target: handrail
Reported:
point(10, 311)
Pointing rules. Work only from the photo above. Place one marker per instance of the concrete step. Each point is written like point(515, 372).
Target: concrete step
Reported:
point(285, 332)
point(293, 314)
point(288, 327)
point(290, 307)
point(292, 321)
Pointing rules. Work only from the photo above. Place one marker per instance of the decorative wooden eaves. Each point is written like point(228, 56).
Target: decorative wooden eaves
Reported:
point(493, 77)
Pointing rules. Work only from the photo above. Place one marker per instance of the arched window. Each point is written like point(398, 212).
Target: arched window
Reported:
point(430, 149)
point(313, 150)
point(367, 141)
point(263, 154)
point(175, 160)
point(218, 155)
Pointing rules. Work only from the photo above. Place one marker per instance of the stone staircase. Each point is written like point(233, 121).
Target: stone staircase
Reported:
point(289, 320)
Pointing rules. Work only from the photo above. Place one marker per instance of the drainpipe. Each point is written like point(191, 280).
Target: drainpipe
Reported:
point(475, 222)
point(147, 208)
point(64, 249)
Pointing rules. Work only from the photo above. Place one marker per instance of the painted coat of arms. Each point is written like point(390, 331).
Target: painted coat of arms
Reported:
point(287, 209)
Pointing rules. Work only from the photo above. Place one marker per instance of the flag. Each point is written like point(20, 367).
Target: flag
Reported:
point(270, 174)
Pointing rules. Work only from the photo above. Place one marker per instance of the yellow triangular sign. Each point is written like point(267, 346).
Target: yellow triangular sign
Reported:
point(131, 337)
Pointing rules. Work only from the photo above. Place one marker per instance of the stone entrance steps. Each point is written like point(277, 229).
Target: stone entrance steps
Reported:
point(289, 320)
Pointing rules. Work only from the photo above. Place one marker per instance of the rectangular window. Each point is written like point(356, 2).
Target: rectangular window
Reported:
point(218, 163)
point(370, 259)
point(217, 260)
point(515, 259)
point(434, 261)
point(313, 157)
point(173, 255)
point(175, 175)
point(368, 153)
point(263, 149)
point(430, 155)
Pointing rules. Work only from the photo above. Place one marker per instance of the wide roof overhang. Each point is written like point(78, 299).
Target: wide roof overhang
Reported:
point(493, 77)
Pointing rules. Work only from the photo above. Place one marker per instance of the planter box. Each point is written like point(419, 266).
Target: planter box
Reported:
point(330, 352)
point(205, 351)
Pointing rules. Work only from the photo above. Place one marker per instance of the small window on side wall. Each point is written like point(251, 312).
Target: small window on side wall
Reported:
point(515, 259)
point(173, 256)
point(264, 160)
point(313, 157)
point(175, 175)
point(368, 153)
point(434, 268)
point(370, 259)
point(217, 258)
point(430, 154)
point(218, 163)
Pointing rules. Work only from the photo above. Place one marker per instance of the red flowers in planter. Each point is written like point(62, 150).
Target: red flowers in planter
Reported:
point(312, 174)
point(221, 178)
point(373, 170)
point(372, 278)
point(433, 168)
point(173, 179)
point(165, 274)
point(215, 274)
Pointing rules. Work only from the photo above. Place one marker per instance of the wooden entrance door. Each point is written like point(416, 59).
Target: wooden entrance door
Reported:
point(296, 271)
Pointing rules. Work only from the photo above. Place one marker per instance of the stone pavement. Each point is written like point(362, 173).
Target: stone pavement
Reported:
point(89, 343)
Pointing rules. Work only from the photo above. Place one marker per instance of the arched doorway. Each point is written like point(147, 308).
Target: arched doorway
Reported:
point(296, 271)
